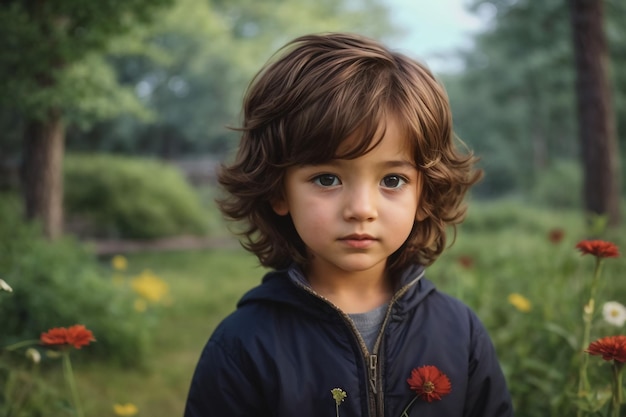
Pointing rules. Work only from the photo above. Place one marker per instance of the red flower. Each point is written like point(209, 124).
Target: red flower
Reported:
point(77, 336)
point(466, 261)
point(429, 383)
point(55, 336)
point(611, 348)
point(556, 235)
point(598, 248)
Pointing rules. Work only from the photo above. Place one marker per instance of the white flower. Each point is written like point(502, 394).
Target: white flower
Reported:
point(614, 313)
point(34, 355)
point(4, 286)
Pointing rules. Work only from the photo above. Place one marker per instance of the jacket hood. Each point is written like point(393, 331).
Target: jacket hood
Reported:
point(289, 287)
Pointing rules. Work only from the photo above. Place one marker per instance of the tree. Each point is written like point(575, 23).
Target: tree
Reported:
point(49, 73)
point(515, 102)
point(203, 55)
point(515, 107)
point(596, 123)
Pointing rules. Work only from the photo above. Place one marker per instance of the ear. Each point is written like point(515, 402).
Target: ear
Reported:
point(280, 206)
point(420, 215)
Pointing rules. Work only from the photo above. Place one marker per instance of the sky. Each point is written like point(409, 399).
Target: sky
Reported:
point(434, 29)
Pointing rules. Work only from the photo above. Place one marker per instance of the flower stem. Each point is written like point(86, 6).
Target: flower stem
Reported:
point(583, 381)
point(405, 412)
point(69, 377)
point(616, 400)
point(21, 344)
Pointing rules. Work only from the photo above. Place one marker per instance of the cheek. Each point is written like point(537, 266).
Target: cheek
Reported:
point(311, 218)
point(402, 214)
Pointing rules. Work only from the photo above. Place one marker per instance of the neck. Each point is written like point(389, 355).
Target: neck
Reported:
point(353, 292)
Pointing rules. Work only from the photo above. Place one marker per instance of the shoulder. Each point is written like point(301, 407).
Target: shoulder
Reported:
point(452, 306)
point(458, 321)
point(244, 324)
point(270, 311)
point(439, 313)
point(463, 317)
point(443, 305)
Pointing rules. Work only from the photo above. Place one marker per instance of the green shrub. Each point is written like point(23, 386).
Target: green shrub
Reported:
point(129, 197)
point(505, 214)
point(61, 284)
point(559, 186)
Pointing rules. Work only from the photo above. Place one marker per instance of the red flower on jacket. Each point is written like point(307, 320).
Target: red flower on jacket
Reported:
point(598, 248)
point(429, 383)
point(611, 348)
point(77, 336)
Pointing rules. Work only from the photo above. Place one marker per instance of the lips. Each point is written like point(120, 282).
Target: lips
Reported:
point(357, 236)
point(358, 241)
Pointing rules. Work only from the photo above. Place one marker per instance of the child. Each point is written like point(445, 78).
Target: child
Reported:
point(346, 179)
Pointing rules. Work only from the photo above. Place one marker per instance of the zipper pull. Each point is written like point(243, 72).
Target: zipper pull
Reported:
point(373, 371)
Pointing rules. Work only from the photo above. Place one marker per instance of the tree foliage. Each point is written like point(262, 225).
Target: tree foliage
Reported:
point(49, 60)
point(197, 60)
point(48, 74)
point(515, 101)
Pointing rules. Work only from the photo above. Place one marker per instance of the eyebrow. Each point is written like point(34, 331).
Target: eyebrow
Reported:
point(394, 163)
point(399, 164)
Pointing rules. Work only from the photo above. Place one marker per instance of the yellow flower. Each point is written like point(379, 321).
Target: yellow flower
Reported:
point(119, 263)
point(520, 302)
point(338, 395)
point(149, 286)
point(125, 409)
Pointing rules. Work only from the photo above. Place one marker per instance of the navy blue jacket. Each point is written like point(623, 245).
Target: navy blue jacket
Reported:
point(284, 348)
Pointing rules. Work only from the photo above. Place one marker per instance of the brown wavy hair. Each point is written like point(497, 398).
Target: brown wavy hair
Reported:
point(315, 93)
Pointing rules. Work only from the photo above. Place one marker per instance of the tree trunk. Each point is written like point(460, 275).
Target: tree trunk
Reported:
point(596, 120)
point(42, 172)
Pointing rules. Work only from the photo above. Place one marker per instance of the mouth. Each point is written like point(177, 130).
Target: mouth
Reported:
point(358, 241)
point(357, 236)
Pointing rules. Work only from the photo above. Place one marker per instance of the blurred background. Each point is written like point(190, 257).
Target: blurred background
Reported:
point(115, 115)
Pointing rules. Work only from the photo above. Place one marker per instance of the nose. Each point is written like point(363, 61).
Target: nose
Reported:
point(361, 203)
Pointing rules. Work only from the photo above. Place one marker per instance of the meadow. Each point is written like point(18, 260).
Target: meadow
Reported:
point(204, 285)
point(515, 265)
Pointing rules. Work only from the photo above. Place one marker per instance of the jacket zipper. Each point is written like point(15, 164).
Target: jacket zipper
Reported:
point(373, 372)
point(376, 396)
point(375, 364)
point(370, 364)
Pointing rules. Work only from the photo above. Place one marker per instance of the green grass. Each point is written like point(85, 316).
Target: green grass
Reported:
point(205, 285)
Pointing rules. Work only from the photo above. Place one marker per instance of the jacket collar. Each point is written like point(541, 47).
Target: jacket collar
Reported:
point(288, 286)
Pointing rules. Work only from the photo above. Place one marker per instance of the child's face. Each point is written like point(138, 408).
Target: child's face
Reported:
point(353, 214)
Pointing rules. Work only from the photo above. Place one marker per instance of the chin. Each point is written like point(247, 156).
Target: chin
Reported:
point(360, 266)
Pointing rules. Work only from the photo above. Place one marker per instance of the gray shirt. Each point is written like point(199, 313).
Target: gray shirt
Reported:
point(369, 324)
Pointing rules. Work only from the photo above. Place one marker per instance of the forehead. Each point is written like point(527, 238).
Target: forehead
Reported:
point(390, 135)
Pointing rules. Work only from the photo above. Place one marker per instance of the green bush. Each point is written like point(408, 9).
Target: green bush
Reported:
point(129, 197)
point(504, 214)
point(559, 186)
point(61, 284)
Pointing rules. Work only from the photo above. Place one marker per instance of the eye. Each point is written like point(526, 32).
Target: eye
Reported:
point(393, 181)
point(326, 180)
